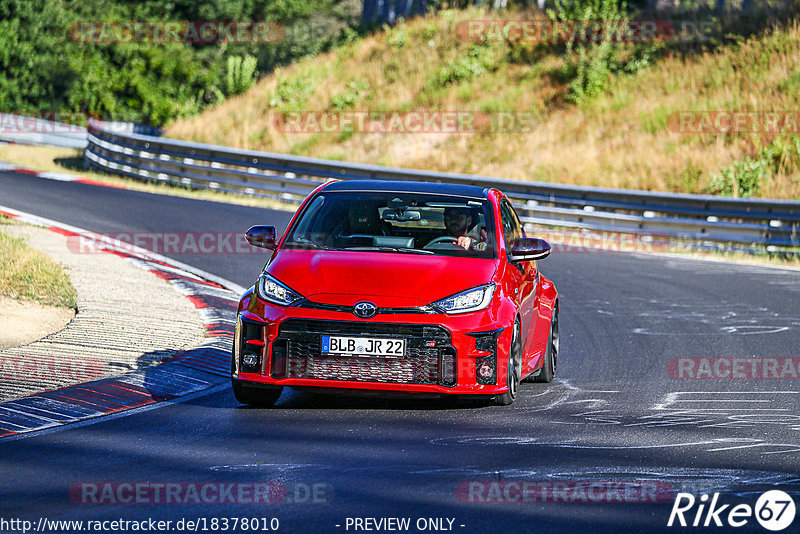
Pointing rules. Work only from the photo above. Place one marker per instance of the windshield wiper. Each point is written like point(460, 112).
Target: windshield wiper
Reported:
point(308, 244)
point(392, 249)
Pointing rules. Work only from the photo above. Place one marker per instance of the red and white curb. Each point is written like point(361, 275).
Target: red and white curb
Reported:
point(200, 368)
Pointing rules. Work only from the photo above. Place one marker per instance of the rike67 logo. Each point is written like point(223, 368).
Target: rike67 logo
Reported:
point(774, 510)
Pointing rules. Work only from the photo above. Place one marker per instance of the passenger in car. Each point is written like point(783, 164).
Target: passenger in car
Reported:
point(364, 219)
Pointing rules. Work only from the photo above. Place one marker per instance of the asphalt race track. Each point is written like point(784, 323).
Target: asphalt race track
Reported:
point(618, 414)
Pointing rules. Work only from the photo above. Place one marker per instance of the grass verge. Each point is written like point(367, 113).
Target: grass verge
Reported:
point(27, 274)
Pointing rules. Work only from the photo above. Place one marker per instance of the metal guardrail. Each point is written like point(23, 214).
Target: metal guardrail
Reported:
point(766, 223)
point(33, 130)
point(26, 130)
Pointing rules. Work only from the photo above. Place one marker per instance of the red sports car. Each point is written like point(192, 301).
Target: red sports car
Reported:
point(416, 288)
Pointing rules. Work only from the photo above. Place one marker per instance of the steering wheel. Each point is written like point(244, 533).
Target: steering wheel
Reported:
point(449, 242)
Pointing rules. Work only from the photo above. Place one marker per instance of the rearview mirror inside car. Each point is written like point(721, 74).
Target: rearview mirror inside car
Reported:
point(402, 215)
point(529, 248)
point(262, 236)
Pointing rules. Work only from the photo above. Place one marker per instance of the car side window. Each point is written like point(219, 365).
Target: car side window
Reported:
point(520, 228)
point(512, 229)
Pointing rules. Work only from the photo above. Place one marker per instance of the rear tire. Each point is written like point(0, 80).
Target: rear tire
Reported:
point(514, 369)
point(262, 397)
point(548, 371)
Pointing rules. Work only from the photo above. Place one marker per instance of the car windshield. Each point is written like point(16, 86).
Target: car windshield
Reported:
point(411, 223)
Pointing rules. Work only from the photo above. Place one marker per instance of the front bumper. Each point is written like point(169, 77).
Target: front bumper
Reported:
point(443, 351)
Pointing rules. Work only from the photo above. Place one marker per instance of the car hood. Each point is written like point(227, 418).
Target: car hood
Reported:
point(387, 279)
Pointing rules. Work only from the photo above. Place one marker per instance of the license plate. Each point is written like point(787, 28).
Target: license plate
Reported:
point(364, 346)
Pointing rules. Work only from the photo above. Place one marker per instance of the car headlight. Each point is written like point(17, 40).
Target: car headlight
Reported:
point(467, 301)
point(271, 290)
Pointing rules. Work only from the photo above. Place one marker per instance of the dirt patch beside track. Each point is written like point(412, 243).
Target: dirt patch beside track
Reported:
point(24, 322)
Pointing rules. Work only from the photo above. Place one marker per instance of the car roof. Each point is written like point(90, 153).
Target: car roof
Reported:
point(396, 186)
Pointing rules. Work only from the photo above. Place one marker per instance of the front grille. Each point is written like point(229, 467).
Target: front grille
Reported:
point(422, 363)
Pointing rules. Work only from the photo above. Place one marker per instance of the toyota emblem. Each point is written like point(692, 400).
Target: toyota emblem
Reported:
point(365, 310)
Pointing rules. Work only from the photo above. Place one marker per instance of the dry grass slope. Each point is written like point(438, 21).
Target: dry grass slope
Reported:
point(621, 139)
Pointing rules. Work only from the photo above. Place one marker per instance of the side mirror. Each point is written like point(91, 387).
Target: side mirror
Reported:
point(262, 236)
point(529, 248)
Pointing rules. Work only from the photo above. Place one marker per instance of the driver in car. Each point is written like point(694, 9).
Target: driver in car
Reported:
point(459, 222)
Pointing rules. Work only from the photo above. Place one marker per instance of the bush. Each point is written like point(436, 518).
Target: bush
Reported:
point(478, 60)
point(745, 178)
point(354, 91)
point(590, 64)
point(46, 67)
point(241, 74)
point(291, 93)
point(740, 179)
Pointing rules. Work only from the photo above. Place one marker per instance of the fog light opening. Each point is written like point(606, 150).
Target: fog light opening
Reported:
point(249, 345)
point(486, 366)
point(485, 370)
point(250, 360)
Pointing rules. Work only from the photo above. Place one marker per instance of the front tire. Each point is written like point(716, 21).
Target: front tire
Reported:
point(548, 372)
point(262, 397)
point(514, 369)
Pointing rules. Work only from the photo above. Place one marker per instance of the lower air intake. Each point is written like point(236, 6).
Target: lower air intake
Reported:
point(425, 348)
